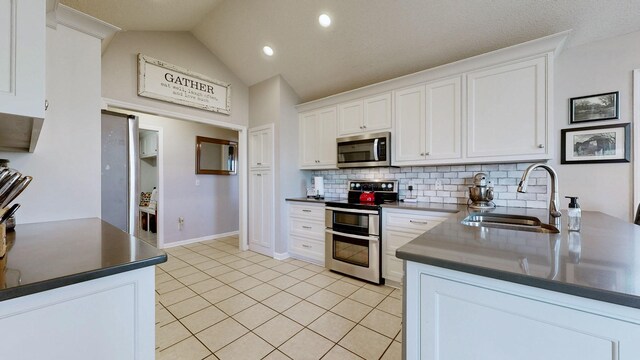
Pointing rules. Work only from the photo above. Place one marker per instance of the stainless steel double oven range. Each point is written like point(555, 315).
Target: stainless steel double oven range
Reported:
point(353, 240)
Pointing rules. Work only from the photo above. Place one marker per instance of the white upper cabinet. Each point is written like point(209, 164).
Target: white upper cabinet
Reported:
point(22, 57)
point(365, 115)
point(351, 118)
point(261, 147)
point(428, 122)
point(443, 119)
point(408, 136)
point(318, 139)
point(149, 144)
point(494, 107)
point(22, 73)
point(507, 111)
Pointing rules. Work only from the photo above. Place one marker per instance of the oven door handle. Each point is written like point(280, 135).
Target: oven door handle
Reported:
point(355, 211)
point(361, 237)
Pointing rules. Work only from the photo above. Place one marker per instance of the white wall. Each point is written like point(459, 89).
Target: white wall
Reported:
point(148, 174)
point(208, 209)
point(66, 162)
point(120, 71)
point(595, 68)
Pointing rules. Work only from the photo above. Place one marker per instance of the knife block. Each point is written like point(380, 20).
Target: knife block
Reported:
point(3, 236)
point(3, 240)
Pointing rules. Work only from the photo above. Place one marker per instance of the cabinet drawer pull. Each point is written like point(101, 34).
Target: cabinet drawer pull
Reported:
point(306, 246)
point(418, 222)
point(306, 210)
point(259, 163)
point(306, 227)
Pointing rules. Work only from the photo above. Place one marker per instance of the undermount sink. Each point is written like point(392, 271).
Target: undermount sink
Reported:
point(511, 222)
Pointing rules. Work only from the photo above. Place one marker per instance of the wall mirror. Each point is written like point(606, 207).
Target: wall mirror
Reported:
point(216, 156)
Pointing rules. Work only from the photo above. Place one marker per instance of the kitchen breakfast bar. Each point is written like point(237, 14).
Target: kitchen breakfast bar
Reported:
point(484, 292)
point(77, 289)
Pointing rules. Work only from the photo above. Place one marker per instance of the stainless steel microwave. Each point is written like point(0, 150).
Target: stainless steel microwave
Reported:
point(368, 150)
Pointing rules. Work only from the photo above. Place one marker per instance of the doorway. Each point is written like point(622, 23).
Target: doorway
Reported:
point(149, 185)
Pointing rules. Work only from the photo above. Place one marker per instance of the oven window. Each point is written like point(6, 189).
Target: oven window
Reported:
point(350, 250)
point(356, 151)
point(351, 223)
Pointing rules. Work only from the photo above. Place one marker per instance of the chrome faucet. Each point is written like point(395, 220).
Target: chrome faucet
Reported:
point(554, 201)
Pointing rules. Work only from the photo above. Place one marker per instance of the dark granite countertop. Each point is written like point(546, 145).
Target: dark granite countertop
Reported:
point(50, 255)
point(600, 262)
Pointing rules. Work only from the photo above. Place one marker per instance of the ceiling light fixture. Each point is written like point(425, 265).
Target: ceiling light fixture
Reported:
point(267, 50)
point(324, 20)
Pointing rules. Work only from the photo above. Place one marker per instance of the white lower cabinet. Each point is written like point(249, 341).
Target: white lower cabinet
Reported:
point(398, 228)
point(454, 315)
point(306, 231)
point(110, 317)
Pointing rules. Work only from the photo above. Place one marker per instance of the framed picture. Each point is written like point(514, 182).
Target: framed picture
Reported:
point(596, 144)
point(594, 107)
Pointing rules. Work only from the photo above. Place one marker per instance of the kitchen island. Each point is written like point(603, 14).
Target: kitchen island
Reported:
point(495, 293)
point(77, 289)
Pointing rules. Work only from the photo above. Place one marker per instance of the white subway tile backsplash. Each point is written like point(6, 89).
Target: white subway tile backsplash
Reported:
point(489, 167)
point(454, 179)
point(507, 166)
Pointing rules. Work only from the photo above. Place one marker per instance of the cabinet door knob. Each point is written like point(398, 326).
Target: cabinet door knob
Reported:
point(421, 154)
point(364, 126)
point(541, 146)
point(46, 105)
point(427, 153)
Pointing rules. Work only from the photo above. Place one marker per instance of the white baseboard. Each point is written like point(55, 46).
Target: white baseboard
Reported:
point(195, 240)
point(281, 256)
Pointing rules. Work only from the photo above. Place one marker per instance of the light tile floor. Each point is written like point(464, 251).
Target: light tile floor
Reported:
point(214, 301)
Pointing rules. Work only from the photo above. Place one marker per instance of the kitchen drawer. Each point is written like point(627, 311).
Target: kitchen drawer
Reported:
point(312, 212)
point(307, 247)
point(310, 228)
point(395, 239)
point(415, 221)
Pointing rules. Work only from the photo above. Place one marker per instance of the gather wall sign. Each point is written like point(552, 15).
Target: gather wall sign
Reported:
point(163, 81)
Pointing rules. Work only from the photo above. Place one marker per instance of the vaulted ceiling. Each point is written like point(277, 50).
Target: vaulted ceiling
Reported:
point(369, 40)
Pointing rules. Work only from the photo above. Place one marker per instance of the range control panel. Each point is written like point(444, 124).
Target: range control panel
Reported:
point(373, 185)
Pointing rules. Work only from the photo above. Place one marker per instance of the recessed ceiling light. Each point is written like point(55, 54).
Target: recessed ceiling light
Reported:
point(324, 20)
point(267, 50)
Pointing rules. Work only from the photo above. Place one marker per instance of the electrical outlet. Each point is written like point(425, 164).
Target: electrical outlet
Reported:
point(180, 223)
point(197, 182)
point(438, 184)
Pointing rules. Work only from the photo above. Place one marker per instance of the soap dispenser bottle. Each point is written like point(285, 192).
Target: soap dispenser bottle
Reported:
point(575, 214)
